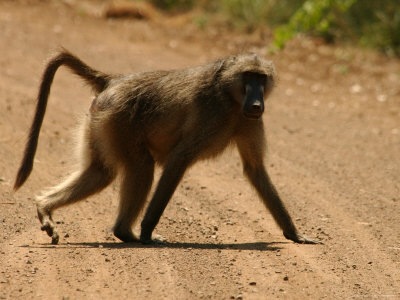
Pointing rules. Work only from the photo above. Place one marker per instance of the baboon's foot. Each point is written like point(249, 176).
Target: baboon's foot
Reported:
point(300, 239)
point(51, 232)
point(125, 235)
point(157, 239)
point(48, 225)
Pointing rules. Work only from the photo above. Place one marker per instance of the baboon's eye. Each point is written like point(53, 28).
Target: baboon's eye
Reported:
point(254, 75)
point(262, 79)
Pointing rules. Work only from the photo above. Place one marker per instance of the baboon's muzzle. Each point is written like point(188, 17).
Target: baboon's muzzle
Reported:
point(253, 107)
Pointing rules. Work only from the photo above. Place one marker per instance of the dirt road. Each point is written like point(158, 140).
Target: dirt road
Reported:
point(334, 144)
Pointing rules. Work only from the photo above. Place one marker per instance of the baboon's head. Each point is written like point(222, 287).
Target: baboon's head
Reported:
point(250, 79)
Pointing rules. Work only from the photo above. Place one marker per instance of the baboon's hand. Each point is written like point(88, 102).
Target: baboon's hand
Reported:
point(300, 239)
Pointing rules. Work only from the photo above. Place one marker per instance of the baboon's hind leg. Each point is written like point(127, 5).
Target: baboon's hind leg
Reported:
point(138, 174)
point(78, 186)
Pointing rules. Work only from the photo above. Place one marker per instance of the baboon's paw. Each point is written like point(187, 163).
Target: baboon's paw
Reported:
point(51, 232)
point(46, 220)
point(55, 238)
point(125, 235)
point(147, 240)
point(300, 239)
point(158, 238)
point(48, 228)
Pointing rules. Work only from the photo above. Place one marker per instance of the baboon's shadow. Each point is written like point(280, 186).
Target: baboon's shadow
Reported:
point(256, 246)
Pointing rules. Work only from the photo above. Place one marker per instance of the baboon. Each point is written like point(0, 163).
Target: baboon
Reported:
point(171, 118)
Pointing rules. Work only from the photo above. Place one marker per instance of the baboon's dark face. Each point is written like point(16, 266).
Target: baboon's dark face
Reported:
point(254, 85)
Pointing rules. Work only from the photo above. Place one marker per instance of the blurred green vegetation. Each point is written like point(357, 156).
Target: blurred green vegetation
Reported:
point(370, 23)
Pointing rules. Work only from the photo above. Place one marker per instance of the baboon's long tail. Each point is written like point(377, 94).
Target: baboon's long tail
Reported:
point(96, 79)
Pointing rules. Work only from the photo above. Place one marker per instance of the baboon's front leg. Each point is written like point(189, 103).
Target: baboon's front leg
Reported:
point(251, 149)
point(172, 174)
point(261, 181)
